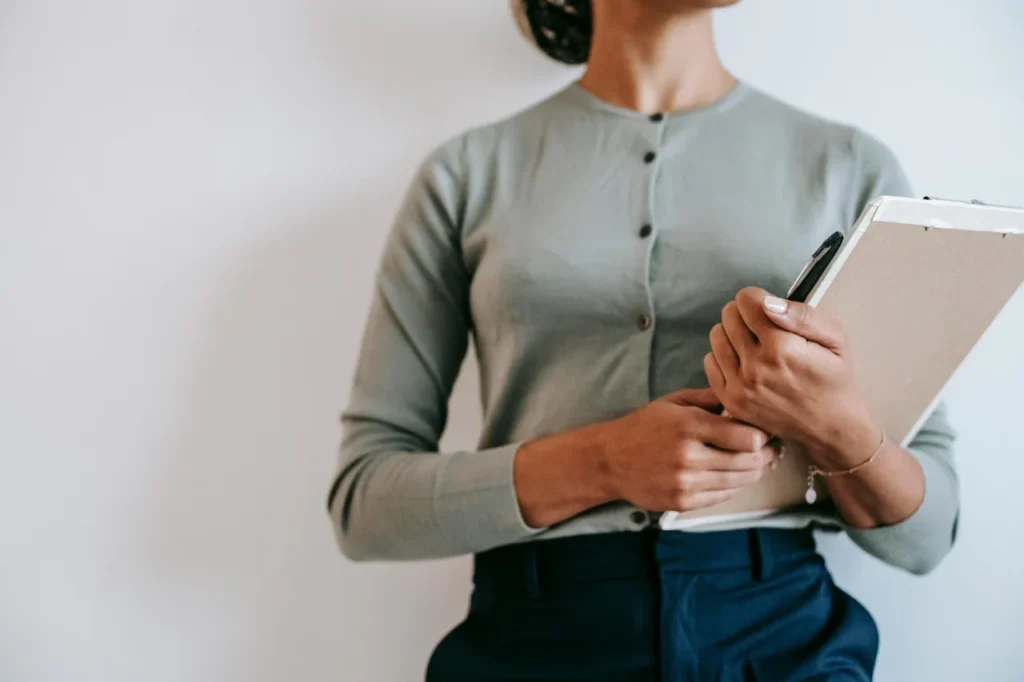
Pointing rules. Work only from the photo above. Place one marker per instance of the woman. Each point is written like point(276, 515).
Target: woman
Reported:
point(597, 246)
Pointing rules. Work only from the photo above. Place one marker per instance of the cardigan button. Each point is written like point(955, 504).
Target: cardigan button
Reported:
point(638, 518)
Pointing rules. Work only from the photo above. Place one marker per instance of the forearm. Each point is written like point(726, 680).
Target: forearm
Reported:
point(904, 512)
point(885, 492)
point(561, 476)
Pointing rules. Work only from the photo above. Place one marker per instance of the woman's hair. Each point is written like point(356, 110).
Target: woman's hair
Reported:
point(560, 28)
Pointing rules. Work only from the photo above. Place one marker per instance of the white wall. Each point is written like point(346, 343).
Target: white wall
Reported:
point(193, 196)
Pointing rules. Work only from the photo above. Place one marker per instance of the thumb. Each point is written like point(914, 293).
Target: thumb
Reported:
point(803, 320)
point(703, 398)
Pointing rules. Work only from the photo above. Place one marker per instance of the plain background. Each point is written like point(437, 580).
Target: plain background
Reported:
point(193, 198)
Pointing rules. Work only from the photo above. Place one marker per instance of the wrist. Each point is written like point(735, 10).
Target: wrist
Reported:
point(848, 444)
point(557, 477)
point(594, 462)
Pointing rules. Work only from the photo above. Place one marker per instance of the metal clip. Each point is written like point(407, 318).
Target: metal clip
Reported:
point(973, 202)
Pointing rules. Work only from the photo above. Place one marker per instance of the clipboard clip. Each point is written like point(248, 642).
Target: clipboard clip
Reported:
point(974, 202)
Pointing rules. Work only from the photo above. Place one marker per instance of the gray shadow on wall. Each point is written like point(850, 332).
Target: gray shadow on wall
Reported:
point(238, 536)
point(238, 528)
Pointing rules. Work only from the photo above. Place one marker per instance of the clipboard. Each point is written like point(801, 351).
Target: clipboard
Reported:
point(916, 283)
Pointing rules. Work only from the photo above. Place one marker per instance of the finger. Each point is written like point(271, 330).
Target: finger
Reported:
point(740, 336)
point(726, 480)
point(750, 306)
point(725, 355)
point(710, 458)
point(726, 433)
point(704, 398)
point(714, 374)
point(805, 321)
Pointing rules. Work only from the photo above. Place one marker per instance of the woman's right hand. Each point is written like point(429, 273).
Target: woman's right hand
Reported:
point(673, 454)
point(678, 454)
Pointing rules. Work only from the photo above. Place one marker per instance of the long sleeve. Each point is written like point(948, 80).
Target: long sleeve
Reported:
point(396, 497)
point(920, 542)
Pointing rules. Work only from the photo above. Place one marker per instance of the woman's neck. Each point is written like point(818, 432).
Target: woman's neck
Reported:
point(654, 61)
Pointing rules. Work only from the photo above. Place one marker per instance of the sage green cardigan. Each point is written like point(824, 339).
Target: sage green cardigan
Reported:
point(588, 250)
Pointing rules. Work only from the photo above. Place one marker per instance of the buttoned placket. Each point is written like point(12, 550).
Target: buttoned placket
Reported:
point(647, 231)
point(653, 135)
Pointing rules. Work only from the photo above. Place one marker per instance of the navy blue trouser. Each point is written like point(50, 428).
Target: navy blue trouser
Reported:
point(731, 606)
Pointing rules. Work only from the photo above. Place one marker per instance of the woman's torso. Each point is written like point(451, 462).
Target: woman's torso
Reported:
point(579, 317)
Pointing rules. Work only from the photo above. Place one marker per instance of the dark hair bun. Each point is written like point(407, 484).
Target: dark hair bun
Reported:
point(561, 28)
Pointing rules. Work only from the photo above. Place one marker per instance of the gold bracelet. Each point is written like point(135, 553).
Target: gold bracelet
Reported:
point(812, 495)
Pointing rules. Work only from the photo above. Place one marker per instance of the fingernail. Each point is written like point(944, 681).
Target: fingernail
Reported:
point(774, 304)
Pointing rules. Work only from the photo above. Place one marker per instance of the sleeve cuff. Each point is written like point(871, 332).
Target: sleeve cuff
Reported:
point(918, 543)
point(475, 500)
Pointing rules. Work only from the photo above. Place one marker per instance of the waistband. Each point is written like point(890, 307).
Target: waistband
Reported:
point(638, 555)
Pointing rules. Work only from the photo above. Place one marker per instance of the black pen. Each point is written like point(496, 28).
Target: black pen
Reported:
point(815, 268)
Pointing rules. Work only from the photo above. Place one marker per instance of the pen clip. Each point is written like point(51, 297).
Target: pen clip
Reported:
point(815, 267)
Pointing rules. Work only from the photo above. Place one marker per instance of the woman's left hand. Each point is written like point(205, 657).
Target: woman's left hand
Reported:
point(786, 368)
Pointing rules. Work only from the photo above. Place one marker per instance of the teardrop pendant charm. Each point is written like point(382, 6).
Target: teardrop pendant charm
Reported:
point(811, 495)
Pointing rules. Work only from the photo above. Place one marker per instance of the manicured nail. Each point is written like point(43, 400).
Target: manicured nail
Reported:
point(776, 305)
